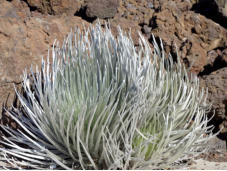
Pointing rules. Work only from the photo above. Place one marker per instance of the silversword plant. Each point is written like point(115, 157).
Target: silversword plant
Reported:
point(102, 103)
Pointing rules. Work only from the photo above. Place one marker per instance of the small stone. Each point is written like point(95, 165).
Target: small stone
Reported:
point(150, 5)
point(198, 29)
point(146, 29)
point(212, 55)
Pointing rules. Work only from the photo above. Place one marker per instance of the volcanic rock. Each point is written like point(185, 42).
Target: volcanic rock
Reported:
point(216, 82)
point(101, 8)
point(24, 40)
point(56, 7)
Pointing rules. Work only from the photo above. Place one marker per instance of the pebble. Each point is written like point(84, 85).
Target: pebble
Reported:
point(146, 29)
point(150, 5)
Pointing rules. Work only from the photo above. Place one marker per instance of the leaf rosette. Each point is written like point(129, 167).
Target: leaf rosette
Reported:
point(102, 103)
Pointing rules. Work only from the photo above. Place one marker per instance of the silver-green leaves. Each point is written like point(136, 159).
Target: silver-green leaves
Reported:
point(102, 103)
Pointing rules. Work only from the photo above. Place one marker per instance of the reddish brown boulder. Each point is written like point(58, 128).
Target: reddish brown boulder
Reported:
point(56, 7)
point(24, 40)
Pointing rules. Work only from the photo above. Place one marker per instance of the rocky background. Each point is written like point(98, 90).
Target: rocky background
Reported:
point(197, 27)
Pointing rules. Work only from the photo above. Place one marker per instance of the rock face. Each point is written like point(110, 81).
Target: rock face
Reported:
point(28, 28)
point(193, 34)
point(24, 40)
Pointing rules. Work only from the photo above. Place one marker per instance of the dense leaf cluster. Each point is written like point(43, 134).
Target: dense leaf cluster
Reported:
point(102, 103)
